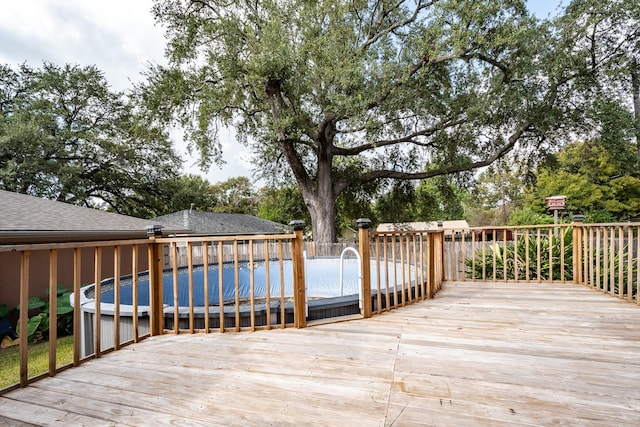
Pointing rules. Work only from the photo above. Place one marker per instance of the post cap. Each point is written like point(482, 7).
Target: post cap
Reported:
point(578, 218)
point(297, 224)
point(154, 230)
point(363, 223)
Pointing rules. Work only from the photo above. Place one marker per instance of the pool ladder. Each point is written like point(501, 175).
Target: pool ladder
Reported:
point(357, 254)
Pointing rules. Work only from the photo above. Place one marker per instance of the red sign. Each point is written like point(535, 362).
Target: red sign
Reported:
point(555, 202)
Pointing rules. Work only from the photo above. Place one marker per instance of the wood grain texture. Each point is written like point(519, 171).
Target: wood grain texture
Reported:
point(498, 354)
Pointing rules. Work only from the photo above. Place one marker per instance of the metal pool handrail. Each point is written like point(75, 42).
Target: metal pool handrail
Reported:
point(357, 254)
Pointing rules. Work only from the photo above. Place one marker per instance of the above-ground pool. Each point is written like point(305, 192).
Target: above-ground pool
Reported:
point(326, 296)
point(322, 281)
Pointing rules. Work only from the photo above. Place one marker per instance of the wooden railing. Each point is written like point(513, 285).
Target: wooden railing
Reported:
point(607, 258)
point(78, 263)
point(601, 256)
point(230, 254)
point(408, 266)
point(398, 268)
point(110, 326)
point(525, 253)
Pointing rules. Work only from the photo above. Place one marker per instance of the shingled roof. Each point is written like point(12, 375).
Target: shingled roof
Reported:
point(214, 223)
point(28, 219)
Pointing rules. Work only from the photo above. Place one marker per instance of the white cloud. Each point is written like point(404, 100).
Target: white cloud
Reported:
point(120, 37)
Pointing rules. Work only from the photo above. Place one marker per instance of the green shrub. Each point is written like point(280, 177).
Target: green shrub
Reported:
point(613, 274)
point(527, 216)
point(507, 256)
point(38, 326)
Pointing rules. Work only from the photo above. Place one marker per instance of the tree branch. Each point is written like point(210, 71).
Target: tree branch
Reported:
point(410, 138)
point(513, 139)
point(374, 37)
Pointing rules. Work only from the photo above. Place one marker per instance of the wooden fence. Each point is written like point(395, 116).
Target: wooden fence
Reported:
point(406, 266)
point(228, 254)
point(397, 268)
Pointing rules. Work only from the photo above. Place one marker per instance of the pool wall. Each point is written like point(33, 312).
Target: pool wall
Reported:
point(107, 328)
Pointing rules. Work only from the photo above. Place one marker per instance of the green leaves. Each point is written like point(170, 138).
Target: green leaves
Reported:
point(34, 303)
point(65, 136)
point(38, 325)
point(513, 258)
point(412, 90)
point(592, 178)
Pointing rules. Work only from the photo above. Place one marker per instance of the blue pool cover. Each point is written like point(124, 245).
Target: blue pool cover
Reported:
point(322, 279)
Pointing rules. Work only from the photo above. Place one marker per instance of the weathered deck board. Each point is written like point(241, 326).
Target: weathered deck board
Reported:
point(479, 354)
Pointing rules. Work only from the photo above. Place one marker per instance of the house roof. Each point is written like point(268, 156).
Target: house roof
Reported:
point(28, 219)
point(215, 223)
point(419, 226)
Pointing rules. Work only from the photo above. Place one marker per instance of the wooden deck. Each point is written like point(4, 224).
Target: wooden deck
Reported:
point(479, 354)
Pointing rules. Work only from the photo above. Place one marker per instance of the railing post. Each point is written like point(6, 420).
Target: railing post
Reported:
point(442, 261)
point(365, 257)
point(577, 249)
point(431, 265)
point(436, 260)
point(24, 318)
point(299, 295)
point(156, 304)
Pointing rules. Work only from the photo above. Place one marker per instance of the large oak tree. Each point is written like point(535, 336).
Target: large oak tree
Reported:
point(339, 93)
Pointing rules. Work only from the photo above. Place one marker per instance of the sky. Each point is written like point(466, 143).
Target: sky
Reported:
point(120, 38)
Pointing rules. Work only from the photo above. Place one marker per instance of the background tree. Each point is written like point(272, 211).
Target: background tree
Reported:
point(65, 136)
point(341, 93)
point(606, 41)
point(592, 181)
point(496, 192)
point(186, 191)
point(235, 195)
point(282, 204)
point(438, 198)
point(394, 205)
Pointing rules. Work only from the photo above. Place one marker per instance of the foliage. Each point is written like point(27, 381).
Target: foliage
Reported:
point(527, 216)
point(65, 136)
point(438, 198)
point(497, 192)
point(394, 205)
point(518, 254)
point(185, 191)
point(282, 205)
point(606, 42)
point(592, 181)
point(593, 216)
point(235, 195)
point(355, 202)
point(38, 326)
point(610, 276)
point(336, 94)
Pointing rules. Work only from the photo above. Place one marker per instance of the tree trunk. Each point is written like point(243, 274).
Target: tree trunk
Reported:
point(323, 219)
point(321, 202)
